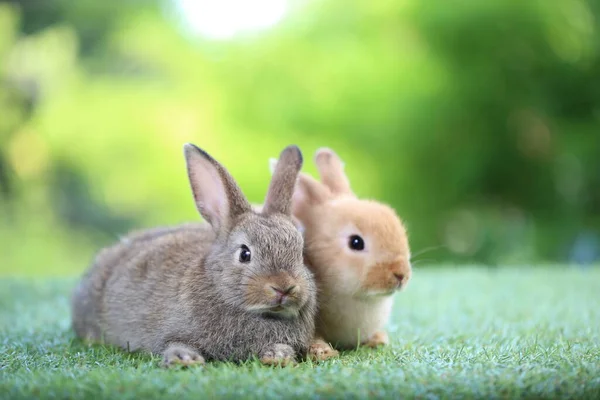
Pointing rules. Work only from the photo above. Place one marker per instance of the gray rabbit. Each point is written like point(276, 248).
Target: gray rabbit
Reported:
point(230, 289)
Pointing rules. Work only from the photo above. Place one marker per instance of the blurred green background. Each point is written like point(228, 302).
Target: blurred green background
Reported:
point(479, 121)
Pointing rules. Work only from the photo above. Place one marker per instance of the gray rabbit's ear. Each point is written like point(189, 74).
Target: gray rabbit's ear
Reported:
point(272, 165)
point(331, 170)
point(218, 197)
point(281, 188)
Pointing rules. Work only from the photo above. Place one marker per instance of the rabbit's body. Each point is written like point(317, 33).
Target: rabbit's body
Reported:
point(182, 291)
point(349, 322)
point(145, 271)
point(170, 298)
point(357, 249)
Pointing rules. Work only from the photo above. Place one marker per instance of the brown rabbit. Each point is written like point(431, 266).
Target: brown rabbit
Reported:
point(229, 289)
point(359, 253)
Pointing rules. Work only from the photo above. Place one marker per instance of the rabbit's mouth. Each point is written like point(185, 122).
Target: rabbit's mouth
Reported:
point(278, 310)
point(284, 312)
point(383, 292)
point(391, 289)
point(375, 294)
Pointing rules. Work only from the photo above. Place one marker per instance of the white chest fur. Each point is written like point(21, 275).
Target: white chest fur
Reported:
point(347, 321)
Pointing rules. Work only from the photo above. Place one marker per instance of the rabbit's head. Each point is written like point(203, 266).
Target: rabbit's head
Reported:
point(256, 260)
point(355, 247)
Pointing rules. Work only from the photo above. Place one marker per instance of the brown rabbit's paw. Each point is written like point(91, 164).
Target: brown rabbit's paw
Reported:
point(378, 339)
point(319, 350)
point(278, 354)
point(178, 354)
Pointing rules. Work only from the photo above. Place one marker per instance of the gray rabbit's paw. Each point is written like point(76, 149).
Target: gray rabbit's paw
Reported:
point(180, 354)
point(278, 354)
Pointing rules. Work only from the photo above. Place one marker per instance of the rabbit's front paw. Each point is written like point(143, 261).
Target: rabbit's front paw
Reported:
point(278, 354)
point(181, 354)
point(379, 338)
point(319, 350)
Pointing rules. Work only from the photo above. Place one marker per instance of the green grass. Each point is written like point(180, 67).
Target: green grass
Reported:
point(474, 333)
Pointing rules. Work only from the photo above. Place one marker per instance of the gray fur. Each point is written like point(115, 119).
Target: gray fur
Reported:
point(281, 189)
point(184, 286)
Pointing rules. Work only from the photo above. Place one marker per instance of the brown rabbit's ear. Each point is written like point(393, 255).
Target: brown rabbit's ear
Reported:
point(218, 197)
point(331, 170)
point(285, 172)
point(309, 192)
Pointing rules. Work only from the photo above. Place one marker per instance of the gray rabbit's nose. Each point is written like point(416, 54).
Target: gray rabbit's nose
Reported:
point(284, 291)
point(282, 294)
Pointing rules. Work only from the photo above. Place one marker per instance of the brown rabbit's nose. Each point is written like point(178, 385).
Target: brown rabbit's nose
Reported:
point(282, 294)
point(400, 278)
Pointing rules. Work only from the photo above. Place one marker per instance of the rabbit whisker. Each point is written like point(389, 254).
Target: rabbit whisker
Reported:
point(426, 250)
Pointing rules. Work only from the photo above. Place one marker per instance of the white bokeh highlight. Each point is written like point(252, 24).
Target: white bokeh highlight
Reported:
point(223, 19)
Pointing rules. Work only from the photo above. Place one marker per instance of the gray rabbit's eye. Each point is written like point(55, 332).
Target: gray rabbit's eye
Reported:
point(245, 255)
point(356, 243)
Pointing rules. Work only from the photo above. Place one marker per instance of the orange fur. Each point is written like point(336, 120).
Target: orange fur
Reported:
point(319, 350)
point(327, 227)
point(386, 275)
point(380, 338)
point(355, 287)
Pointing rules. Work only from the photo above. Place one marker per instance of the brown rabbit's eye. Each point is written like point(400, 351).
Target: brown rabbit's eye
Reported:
point(245, 255)
point(356, 243)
